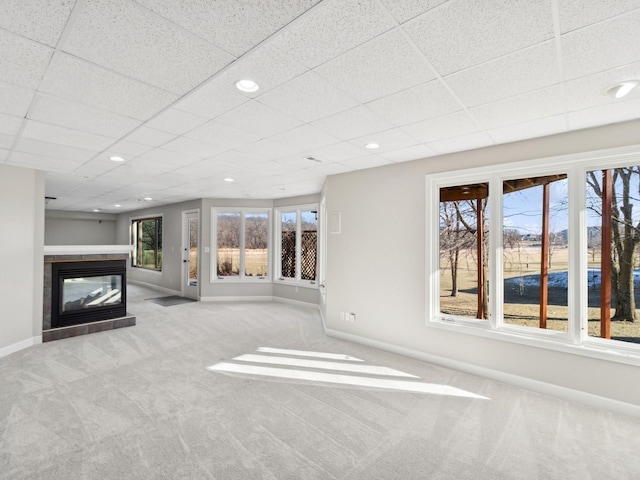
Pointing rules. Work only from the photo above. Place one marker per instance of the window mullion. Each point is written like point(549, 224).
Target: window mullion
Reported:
point(298, 244)
point(496, 285)
point(577, 286)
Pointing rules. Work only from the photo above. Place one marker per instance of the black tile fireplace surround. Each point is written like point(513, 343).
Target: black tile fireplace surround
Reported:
point(85, 292)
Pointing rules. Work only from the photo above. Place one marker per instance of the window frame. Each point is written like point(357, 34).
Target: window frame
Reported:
point(213, 261)
point(297, 209)
point(576, 340)
point(156, 217)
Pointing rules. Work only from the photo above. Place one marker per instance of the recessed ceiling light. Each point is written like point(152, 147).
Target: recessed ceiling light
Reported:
point(96, 209)
point(247, 85)
point(229, 180)
point(147, 199)
point(117, 205)
point(622, 89)
point(116, 159)
point(372, 146)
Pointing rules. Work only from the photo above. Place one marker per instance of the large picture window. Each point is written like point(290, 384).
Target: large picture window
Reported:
point(146, 238)
point(297, 244)
point(241, 245)
point(544, 252)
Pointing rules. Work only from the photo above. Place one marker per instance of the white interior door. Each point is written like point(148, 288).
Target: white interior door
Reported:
point(190, 253)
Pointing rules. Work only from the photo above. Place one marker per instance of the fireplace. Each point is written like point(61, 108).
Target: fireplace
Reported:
point(84, 292)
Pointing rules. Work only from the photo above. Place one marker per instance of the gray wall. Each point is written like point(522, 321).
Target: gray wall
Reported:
point(170, 276)
point(79, 228)
point(370, 273)
point(21, 257)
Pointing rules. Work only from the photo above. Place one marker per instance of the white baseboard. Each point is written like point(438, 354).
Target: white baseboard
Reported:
point(155, 287)
point(238, 298)
point(16, 347)
point(296, 302)
point(522, 382)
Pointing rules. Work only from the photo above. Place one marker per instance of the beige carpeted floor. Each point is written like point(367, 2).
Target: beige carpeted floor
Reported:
point(256, 391)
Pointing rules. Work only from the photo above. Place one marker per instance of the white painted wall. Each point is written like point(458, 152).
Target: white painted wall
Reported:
point(21, 257)
point(79, 228)
point(376, 266)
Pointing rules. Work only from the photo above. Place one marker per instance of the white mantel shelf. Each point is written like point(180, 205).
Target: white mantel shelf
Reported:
point(86, 249)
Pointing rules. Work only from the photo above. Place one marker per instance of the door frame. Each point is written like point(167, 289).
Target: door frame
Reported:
point(187, 291)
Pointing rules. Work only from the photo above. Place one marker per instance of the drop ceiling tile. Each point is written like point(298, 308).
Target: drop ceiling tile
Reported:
point(77, 116)
point(269, 168)
point(57, 184)
point(482, 31)
point(192, 147)
point(175, 121)
point(66, 136)
point(82, 82)
point(352, 123)
point(150, 136)
point(308, 97)
point(590, 91)
point(39, 147)
point(389, 140)
point(521, 72)
point(124, 37)
point(127, 149)
point(367, 161)
point(96, 167)
point(140, 166)
point(380, 67)
point(266, 149)
point(605, 114)
point(446, 126)
point(41, 162)
point(428, 100)
point(409, 153)
point(211, 99)
point(203, 169)
point(535, 128)
point(303, 138)
point(39, 20)
point(334, 153)
point(167, 156)
point(221, 136)
point(259, 119)
point(23, 62)
point(231, 26)
point(9, 124)
point(267, 66)
point(332, 28)
point(542, 103)
point(6, 141)
point(464, 142)
point(4, 153)
point(408, 9)
point(236, 159)
point(599, 47)
point(15, 100)
point(575, 15)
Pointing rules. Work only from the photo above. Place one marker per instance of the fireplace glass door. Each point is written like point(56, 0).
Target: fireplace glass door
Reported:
point(89, 292)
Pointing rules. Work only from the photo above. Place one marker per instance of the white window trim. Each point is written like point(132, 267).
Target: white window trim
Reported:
point(278, 278)
point(213, 261)
point(133, 252)
point(576, 340)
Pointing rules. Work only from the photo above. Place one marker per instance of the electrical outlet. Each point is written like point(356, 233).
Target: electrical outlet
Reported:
point(342, 316)
point(351, 317)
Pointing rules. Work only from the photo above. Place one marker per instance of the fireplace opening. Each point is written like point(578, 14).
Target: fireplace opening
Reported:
point(84, 292)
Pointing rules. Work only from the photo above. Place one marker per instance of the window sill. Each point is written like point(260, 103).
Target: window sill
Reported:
point(148, 270)
point(296, 283)
point(545, 339)
point(238, 280)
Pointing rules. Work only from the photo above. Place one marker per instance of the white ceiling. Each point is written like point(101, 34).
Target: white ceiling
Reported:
point(153, 81)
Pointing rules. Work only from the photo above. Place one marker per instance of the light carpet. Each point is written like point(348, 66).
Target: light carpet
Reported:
point(257, 391)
